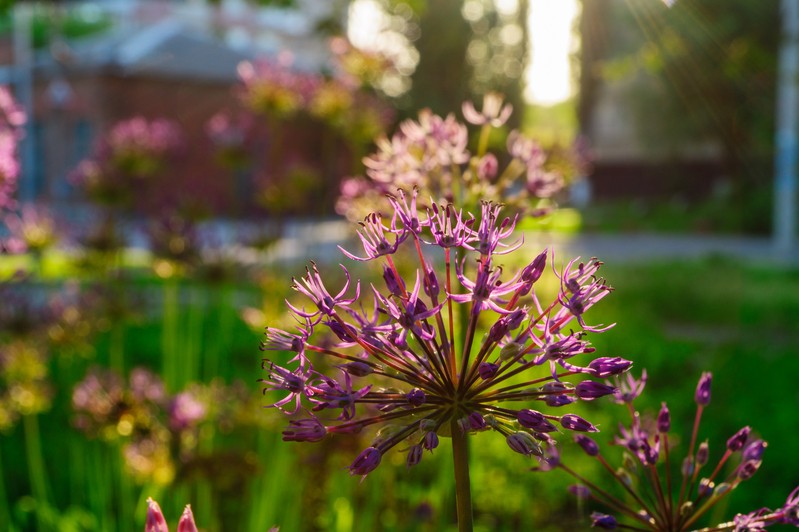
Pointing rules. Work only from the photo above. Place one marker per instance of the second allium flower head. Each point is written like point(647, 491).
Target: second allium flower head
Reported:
point(459, 345)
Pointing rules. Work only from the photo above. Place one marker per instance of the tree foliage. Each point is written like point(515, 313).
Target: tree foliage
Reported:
point(698, 71)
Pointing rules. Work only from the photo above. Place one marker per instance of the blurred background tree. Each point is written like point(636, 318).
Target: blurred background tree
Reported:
point(699, 77)
point(463, 49)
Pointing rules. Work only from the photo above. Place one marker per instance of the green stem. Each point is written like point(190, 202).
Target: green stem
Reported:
point(5, 513)
point(36, 469)
point(117, 347)
point(169, 334)
point(463, 490)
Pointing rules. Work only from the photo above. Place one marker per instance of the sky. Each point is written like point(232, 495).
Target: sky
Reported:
point(548, 76)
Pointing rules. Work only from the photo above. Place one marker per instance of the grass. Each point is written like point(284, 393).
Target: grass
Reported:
point(675, 319)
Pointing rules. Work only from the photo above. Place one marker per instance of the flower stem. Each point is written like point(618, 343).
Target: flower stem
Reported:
point(463, 490)
point(36, 468)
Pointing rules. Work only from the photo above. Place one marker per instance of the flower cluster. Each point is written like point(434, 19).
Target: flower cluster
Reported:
point(125, 159)
point(12, 118)
point(460, 346)
point(656, 500)
point(432, 153)
point(275, 88)
point(33, 230)
point(159, 430)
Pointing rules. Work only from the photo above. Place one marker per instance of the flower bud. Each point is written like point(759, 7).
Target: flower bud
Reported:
point(589, 446)
point(476, 421)
point(687, 468)
point(603, 367)
point(394, 283)
point(523, 443)
point(702, 395)
point(706, 487)
point(604, 521)
point(366, 462)
point(664, 419)
point(186, 523)
point(629, 463)
point(430, 441)
point(737, 440)
point(155, 518)
point(414, 456)
point(533, 271)
point(357, 368)
point(747, 469)
point(431, 286)
point(534, 420)
point(754, 450)
point(510, 351)
point(575, 422)
point(559, 400)
point(558, 397)
point(721, 489)
point(624, 477)
point(590, 390)
point(304, 430)
point(702, 454)
point(580, 491)
point(416, 397)
point(487, 370)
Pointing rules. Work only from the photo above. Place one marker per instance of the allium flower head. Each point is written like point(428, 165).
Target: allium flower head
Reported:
point(400, 362)
point(646, 469)
point(434, 154)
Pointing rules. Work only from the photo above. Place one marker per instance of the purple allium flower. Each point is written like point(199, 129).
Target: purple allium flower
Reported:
point(524, 443)
point(664, 419)
point(588, 445)
point(375, 239)
point(604, 521)
point(588, 390)
point(308, 429)
point(494, 113)
point(366, 462)
point(676, 505)
point(534, 420)
point(576, 423)
point(628, 387)
point(487, 370)
point(431, 154)
point(702, 396)
point(737, 441)
point(185, 411)
point(702, 454)
point(754, 450)
point(414, 455)
point(33, 228)
point(403, 359)
point(608, 366)
point(430, 441)
point(126, 159)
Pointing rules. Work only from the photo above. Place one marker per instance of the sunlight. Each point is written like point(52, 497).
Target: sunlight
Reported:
point(548, 78)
